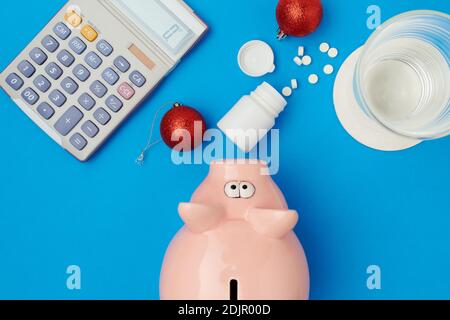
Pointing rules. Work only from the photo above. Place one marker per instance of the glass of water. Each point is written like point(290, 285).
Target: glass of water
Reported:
point(402, 79)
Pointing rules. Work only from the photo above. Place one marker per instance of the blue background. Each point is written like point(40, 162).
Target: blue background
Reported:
point(358, 207)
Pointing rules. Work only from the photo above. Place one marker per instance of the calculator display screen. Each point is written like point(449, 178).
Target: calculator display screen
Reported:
point(155, 19)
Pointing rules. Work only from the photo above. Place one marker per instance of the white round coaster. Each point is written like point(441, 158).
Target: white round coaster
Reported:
point(359, 125)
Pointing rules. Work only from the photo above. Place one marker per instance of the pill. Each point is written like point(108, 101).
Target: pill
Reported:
point(328, 69)
point(324, 47)
point(301, 51)
point(313, 78)
point(333, 52)
point(306, 60)
point(287, 92)
point(298, 61)
point(294, 84)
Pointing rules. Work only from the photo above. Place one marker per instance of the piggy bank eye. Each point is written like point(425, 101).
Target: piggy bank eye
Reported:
point(232, 189)
point(247, 190)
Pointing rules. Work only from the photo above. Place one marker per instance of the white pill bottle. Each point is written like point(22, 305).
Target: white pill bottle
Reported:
point(253, 116)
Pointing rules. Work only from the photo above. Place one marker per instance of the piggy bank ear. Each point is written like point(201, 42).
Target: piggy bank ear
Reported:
point(272, 223)
point(200, 217)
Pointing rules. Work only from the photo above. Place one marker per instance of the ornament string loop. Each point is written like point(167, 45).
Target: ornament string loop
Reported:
point(150, 143)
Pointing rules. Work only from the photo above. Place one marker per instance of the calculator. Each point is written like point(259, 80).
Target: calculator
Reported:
point(95, 62)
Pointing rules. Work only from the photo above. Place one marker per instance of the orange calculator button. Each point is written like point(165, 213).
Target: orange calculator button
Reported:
point(89, 33)
point(73, 19)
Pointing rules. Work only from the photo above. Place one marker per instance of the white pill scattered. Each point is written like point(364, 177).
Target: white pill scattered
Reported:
point(313, 78)
point(301, 51)
point(287, 92)
point(298, 61)
point(324, 47)
point(328, 69)
point(294, 84)
point(333, 52)
point(306, 60)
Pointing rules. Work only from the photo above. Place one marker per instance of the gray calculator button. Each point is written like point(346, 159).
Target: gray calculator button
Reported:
point(62, 31)
point(110, 76)
point(122, 64)
point(105, 48)
point(86, 101)
point(90, 129)
point(93, 60)
point(102, 116)
point(42, 83)
point(66, 58)
point(57, 98)
point(54, 71)
point(113, 103)
point(30, 96)
point(26, 68)
point(50, 44)
point(98, 89)
point(69, 85)
point(81, 72)
point(137, 78)
point(14, 81)
point(78, 141)
point(38, 56)
point(45, 110)
point(68, 121)
point(77, 45)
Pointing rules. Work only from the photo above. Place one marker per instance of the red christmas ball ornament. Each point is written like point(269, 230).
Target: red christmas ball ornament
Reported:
point(182, 128)
point(298, 18)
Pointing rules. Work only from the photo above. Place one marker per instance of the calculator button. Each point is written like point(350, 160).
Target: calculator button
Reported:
point(54, 71)
point(105, 48)
point(114, 104)
point(81, 73)
point(57, 98)
point(69, 85)
point(68, 121)
point(126, 91)
point(73, 19)
point(30, 96)
point(50, 44)
point(38, 56)
point(42, 83)
point(137, 78)
point(98, 89)
point(45, 110)
point(77, 45)
point(26, 68)
point(14, 81)
point(122, 64)
point(110, 76)
point(62, 31)
point(89, 33)
point(78, 141)
point(86, 101)
point(93, 60)
point(102, 116)
point(90, 129)
point(66, 58)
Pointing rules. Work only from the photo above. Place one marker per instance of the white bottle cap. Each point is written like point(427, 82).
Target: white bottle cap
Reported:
point(256, 58)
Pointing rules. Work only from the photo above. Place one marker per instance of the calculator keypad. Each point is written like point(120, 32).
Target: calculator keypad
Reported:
point(26, 68)
point(38, 56)
point(68, 121)
point(66, 71)
point(50, 44)
point(42, 83)
point(14, 81)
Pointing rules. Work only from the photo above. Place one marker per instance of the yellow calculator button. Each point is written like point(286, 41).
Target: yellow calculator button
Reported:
point(73, 19)
point(89, 33)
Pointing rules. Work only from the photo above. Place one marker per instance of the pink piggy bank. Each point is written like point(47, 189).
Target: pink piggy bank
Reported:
point(238, 241)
